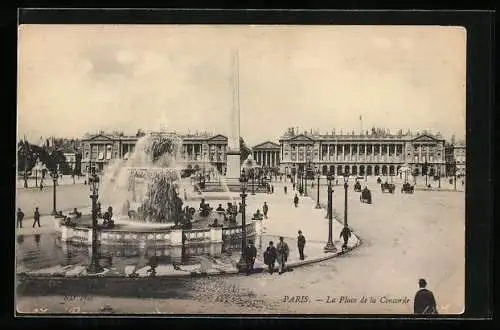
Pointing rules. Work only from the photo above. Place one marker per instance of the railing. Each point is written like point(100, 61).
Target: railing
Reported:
point(236, 231)
point(197, 235)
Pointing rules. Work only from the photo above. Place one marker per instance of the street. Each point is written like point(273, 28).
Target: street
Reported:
point(405, 237)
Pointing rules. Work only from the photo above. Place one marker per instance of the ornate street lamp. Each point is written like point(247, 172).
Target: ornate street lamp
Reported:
point(242, 264)
point(346, 180)
point(305, 180)
point(439, 176)
point(426, 171)
point(94, 266)
point(318, 206)
point(253, 181)
point(454, 175)
point(330, 247)
point(54, 181)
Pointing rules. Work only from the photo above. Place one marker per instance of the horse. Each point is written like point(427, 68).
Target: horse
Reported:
point(407, 188)
point(365, 196)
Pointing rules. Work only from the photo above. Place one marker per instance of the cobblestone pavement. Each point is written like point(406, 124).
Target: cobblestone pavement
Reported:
point(405, 237)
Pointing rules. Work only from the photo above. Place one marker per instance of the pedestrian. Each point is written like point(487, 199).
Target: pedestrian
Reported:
point(20, 217)
point(424, 302)
point(285, 189)
point(41, 185)
point(265, 208)
point(301, 243)
point(272, 189)
point(270, 256)
point(345, 234)
point(296, 200)
point(250, 255)
point(293, 185)
point(282, 252)
point(36, 217)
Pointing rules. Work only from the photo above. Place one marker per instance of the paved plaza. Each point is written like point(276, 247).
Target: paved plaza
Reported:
point(404, 237)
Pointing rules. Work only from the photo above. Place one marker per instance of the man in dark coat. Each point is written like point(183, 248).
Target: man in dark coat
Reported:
point(270, 256)
point(285, 189)
point(424, 302)
point(36, 217)
point(250, 255)
point(296, 200)
point(345, 234)
point(20, 217)
point(301, 243)
point(265, 209)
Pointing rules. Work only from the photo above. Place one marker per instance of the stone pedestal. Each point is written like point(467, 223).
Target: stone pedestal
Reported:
point(216, 235)
point(89, 237)
point(233, 164)
point(64, 233)
point(176, 237)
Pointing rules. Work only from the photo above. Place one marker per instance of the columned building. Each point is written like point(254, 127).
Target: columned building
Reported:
point(267, 154)
point(197, 150)
point(455, 155)
point(361, 155)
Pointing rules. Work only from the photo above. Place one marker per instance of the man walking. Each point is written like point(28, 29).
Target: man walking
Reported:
point(285, 189)
point(296, 200)
point(282, 254)
point(36, 217)
point(265, 208)
point(270, 256)
point(250, 255)
point(301, 243)
point(424, 302)
point(20, 217)
point(345, 234)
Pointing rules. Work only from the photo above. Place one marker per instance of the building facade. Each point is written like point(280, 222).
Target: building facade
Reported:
point(368, 154)
point(267, 154)
point(455, 158)
point(100, 150)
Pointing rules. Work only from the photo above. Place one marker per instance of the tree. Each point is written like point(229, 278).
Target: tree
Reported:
point(78, 164)
point(244, 150)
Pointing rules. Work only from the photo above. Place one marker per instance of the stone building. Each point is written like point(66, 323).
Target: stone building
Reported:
point(361, 154)
point(267, 154)
point(455, 157)
point(197, 149)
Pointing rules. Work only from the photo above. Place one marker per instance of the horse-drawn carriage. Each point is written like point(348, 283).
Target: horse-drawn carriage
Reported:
point(407, 188)
point(388, 187)
point(365, 196)
point(357, 186)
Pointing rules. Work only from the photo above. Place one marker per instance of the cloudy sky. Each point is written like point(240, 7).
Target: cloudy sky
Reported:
point(78, 79)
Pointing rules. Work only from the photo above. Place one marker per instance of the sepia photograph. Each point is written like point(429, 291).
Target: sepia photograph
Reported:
point(240, 169)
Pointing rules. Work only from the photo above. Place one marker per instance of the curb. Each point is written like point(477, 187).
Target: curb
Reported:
point(192, 274)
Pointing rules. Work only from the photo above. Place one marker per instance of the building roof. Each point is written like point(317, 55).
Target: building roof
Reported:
point(266, 145)
point(358, 137)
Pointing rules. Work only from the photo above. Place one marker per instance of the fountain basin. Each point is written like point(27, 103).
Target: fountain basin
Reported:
point(143, 234)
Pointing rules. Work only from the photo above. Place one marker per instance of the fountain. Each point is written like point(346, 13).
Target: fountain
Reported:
point(145, 197)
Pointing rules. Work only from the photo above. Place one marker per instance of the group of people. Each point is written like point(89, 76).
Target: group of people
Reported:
point(20, 218)
point(281, 252)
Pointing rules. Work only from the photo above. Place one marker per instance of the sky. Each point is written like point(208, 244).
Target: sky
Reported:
point(74, 79)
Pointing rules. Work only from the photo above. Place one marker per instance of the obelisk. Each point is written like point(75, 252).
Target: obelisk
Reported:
point(233, 152)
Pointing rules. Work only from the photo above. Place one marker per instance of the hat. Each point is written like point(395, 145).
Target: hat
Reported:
point(300, 231)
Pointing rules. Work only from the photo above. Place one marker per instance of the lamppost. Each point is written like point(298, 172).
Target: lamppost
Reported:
point(346, 179)
point(454, 175)
point(253, 181)
point(305, 182)
point(94, 266)
point(242, 264)
point(54, 182)
point(318, 206)
point(330, 247)
point(439, 176)
point(426, 171)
